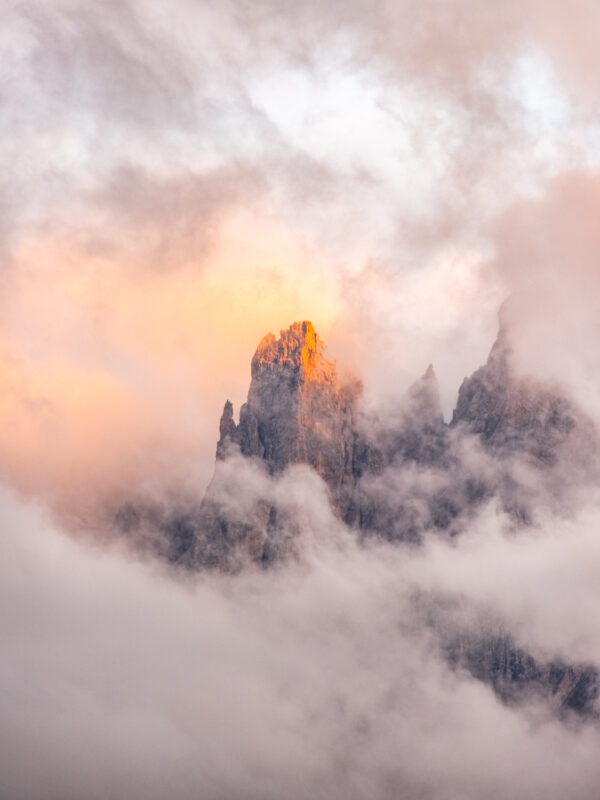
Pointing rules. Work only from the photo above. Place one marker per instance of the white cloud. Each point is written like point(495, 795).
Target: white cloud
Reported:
point(307, 681)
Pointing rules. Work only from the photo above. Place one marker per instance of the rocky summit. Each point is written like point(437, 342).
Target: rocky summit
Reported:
point(518, 415)
point(297, 411)
point(397, 478)
point(512, 439)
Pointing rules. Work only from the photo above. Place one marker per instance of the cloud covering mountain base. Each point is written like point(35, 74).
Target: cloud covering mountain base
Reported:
point(314, 680)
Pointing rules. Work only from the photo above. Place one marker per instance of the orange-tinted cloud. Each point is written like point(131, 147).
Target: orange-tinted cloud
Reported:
point(113, 378)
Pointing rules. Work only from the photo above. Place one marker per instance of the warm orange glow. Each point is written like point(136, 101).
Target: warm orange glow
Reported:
point(108, 369)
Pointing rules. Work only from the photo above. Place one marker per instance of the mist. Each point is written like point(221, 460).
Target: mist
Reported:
point(314, 680)
point(175, 185)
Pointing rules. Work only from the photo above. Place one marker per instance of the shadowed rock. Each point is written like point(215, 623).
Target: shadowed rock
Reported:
point(297, 412)
point(407, 474)
point(515, 675)
point(399, 478)
point(515, 414)
point(401, 486)
point(541, 444)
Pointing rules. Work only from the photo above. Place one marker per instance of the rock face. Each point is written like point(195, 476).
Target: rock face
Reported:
point(394, 479)
point(297, 412)
point(515, 675)
point(514, 414)
point(394, 498)
point(510, 437)
point(418, 434)
point(540, 445)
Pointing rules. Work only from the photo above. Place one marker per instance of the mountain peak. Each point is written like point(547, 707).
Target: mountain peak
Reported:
point(298, 352)
point(423, 401)
point(299, 412)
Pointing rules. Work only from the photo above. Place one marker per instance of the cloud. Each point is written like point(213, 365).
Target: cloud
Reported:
point(545, 256)
point(121, 380)
point(165, 222)
point(177, 182)
point(350, 102)
point(311, 680)
point(372, 143)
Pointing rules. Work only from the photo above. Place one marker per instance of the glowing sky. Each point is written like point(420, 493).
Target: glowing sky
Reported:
point(176, 182)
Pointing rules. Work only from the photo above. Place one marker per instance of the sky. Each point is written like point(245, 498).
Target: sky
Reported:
point(176, 185)
point(176, 181)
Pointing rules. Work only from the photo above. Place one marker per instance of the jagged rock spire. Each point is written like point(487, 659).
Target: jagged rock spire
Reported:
point(297, 353)
point(227, 431)
point(297, 410)
point(423, 399)
point(513, 413)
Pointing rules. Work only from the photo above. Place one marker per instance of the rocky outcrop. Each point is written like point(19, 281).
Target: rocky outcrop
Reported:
point(540, 445)
point(297, 412)
point(418, 434)
point(511, 437)
point(394, 498)
point(402, 476)
point(515, 414)
point(515, 675)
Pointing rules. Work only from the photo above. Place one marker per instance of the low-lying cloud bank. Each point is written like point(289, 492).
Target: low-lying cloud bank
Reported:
point(313, 680)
